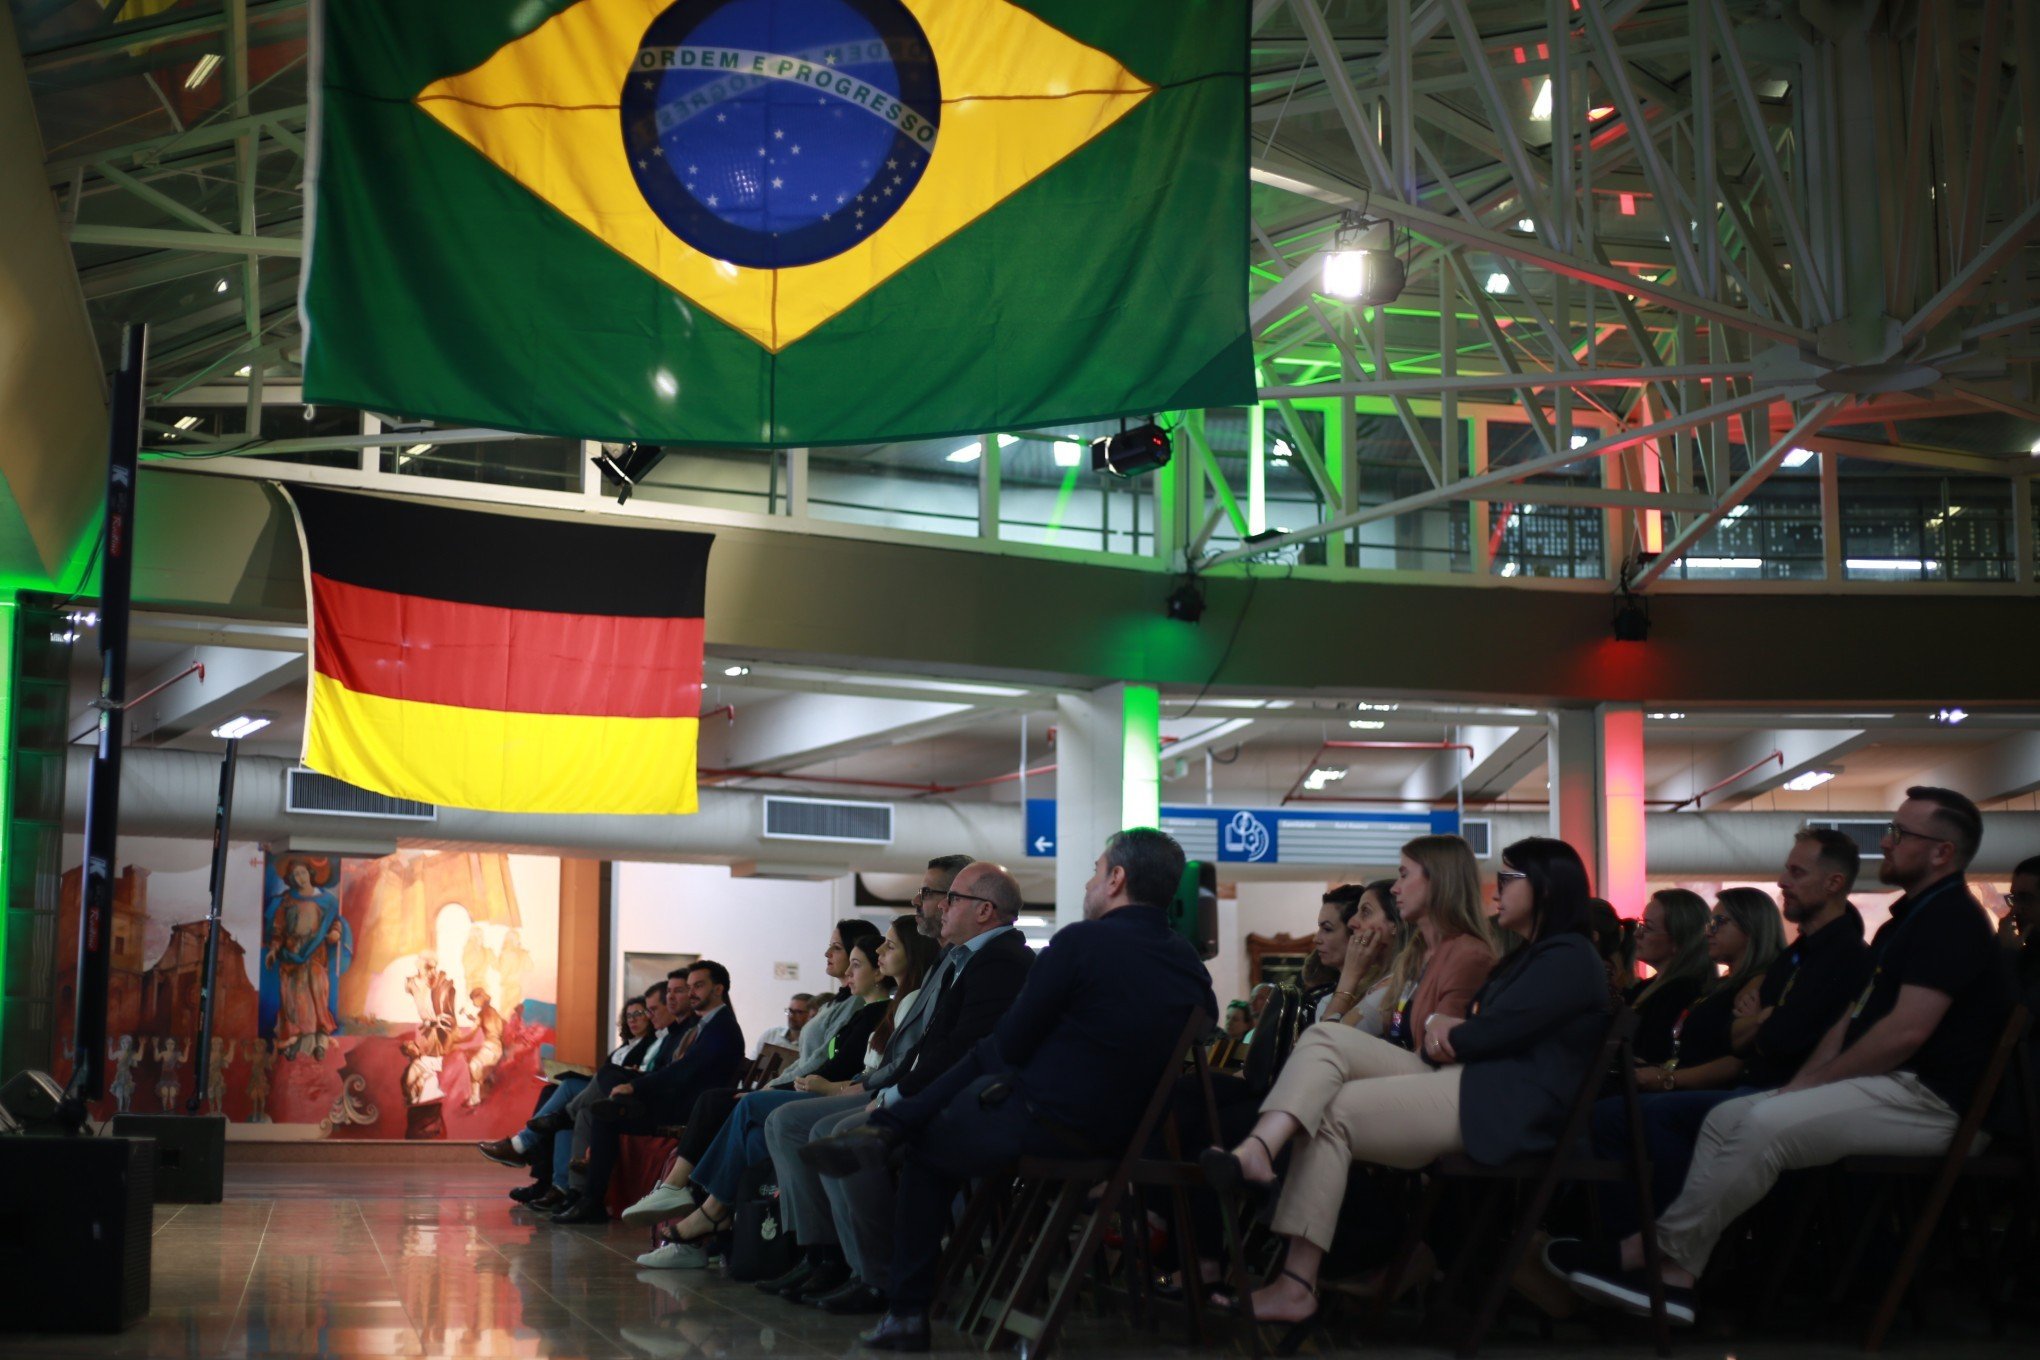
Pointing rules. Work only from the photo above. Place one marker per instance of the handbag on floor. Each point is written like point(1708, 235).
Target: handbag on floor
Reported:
point(760, 1245)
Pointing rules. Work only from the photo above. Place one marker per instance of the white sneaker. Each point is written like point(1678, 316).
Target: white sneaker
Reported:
point(663, 1202)
point(675, 1256)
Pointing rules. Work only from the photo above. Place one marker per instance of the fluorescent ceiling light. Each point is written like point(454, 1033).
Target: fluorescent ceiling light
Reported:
point(1799, 458)
point(1510, 569)
point(1540, 108)
point(1497, 282)
point(1812, 779)
point(1736, 513)
point(1525, 224)
point(1889, 564)
point(220, 287)
point(969, 453)
point(1950, 716)
point(735, 671)
point(1007, 441)
point(202, 72)
point(1321, 776)
point(243, 371)
point(186, 422)
point(1279, 450)
point(1068, 453)
point(240, 727)
point(1364, 707)
point(417, 449)
point(1366, 724)
point(1726, 563)
point(1578, 441)
point(1663, 717)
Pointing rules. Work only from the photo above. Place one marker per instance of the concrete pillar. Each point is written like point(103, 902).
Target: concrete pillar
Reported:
point(1107, 777)
point(1597, 791)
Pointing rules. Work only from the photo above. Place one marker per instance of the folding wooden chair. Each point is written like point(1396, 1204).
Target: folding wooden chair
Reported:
point(1542, 1175)
point(1013, 1298)
point(2016, 1161)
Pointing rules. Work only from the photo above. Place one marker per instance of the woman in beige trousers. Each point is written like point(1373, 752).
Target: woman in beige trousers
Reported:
point(1495, 1084)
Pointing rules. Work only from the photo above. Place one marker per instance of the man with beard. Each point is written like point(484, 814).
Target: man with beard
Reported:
point(1890, 1077)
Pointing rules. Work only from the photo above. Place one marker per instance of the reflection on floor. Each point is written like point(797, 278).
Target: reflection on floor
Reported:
point(432, 1260)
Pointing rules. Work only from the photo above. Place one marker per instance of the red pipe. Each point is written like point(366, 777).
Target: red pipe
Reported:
point(1753, 767)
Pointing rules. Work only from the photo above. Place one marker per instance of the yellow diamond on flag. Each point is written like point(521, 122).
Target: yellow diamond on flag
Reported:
point(591, 111)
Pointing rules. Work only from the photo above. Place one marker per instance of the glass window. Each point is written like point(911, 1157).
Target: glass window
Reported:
point(541, 464)
point(725, 479)
point(1049, 495)
point(930, 485)
point(1917, 524)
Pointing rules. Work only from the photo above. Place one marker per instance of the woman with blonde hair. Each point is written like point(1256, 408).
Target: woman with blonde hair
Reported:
point(1451, 947)
point(1671, 938)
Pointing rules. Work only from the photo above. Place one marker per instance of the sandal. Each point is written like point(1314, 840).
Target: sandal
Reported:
point(1297, 1331)
point(669, 1232)
point(1223, 1170)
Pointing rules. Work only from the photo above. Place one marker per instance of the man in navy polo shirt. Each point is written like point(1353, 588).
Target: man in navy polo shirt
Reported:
point(1892, 1076)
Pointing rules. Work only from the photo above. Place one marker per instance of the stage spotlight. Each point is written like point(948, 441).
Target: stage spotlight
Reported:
point(1131, 452)
point(1361, 269)
point(1186, 602)
point(1632, 618)
point(627, 465)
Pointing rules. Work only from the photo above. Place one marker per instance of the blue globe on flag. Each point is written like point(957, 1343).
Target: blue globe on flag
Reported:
point(773, 133)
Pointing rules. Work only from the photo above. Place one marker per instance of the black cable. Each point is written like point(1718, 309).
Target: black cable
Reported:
point(1253, 584)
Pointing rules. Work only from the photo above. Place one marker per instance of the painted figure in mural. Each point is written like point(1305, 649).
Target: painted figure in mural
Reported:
point(222, 1053)
point(513, 961)
point(122, 1087)
point(260, 1057)
point(425, 1051)
point(170, 1055)
point(309, 946)
point(482, 1059)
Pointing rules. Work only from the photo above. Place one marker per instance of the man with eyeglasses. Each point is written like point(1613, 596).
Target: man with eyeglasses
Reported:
point(800, 1009)
point(1891, 1076)
point(2019, 927)
point(844, 1229)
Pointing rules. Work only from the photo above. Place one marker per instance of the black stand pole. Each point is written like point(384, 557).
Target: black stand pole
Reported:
point(102, 799)
point(223, 814)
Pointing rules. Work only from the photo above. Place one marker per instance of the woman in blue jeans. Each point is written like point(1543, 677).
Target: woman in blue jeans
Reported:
point(899, 963)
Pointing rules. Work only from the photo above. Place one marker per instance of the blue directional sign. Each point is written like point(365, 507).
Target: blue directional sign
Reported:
point(1271, 835)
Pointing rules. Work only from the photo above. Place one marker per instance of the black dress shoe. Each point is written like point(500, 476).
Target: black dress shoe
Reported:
point(855, 1299)
point(791, 1282)
point(846, 1154)
point(503, 1152)
point(556, 1122)
point(827, 1278)
point(582, 1209)
point(528, 1194)
point(552, 1201)
point(898, 1332)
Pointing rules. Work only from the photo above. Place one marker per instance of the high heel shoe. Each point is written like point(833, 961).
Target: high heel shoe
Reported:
point(1222, 1168)
point(1294, 1333)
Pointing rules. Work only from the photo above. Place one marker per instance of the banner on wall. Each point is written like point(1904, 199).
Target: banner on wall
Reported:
point(778, 222)
point(500, 662)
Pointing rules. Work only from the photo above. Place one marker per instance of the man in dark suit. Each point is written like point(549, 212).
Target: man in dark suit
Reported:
point(709, 1053)
point(846, 1225)
point(1066, 1072)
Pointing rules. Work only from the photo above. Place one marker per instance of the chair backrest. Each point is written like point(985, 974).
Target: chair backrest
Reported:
point(2010, 1043)
point(1274, 1036)
point(1613, 1054)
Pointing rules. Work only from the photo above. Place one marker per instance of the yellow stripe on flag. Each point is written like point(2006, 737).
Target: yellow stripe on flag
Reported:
point(1018, 96)
point(501, 762)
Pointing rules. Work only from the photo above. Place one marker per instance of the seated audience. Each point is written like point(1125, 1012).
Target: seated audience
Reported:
point(1496, 1084)
point(1068, 1070)
point(1239, 1018)
point(800, 1008)
point(740, 1143)
point(1611, 942)
point(1451, 946)
point(844, 1226)
point(1672, 939)
point(1329, 947)
point(639, 1036)
point(708, 1055)
point(1375, 936)
point(1891, 1076)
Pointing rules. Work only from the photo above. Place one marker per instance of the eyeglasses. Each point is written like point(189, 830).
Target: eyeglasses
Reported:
point(954, 896)
point(1504, 877)
point(1718, 920)
point(2022, 899)
point(924, 895)
point(1895, 833)
point(634, 1014)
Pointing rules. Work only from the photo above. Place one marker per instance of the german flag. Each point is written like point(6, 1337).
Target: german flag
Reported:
point(501, 662)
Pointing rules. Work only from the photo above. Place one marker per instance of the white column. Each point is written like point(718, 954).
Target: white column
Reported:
point(1597, 795)
point(1107, 778)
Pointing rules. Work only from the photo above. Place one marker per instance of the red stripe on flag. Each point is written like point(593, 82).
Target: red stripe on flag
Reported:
point(412, 647)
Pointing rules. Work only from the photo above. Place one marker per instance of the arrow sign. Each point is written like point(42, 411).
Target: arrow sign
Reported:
point(1039, 837)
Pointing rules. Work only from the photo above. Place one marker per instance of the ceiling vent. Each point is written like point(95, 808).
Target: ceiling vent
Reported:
point(321, 795)
point(828, 819)
point(1868, 835)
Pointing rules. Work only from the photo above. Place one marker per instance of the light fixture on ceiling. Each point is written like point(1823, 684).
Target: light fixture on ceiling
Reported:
point(233, 729)
point(1665, 717)
point(1361, 266)
point(1131, 452)
point(220, 287)
point(736, 672)
point(1496, 283)
point(1321, 776)
point(1725, 563)
point(186, 422)
point(627, 465)
point(1510, 569)
point(1631, 620)
point(243, 371)
point(1525, 224)
point(1540, 107)
point(1812, 779)
point(969, 453)
point(1578, 441)
point(1366, 724)
point(201, 70)
point(1362, 706)
point(1949, 716)
point(1068, 453)
point(1799, 458)
point(1186, 602)
point(1007, 441)
point(1736, 514)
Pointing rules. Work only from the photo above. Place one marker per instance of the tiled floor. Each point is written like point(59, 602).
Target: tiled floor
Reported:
point(432, 1260)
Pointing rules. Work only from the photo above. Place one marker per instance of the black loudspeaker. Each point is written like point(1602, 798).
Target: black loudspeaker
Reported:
point(28, 1103)
point(191, 1153)
point(75, 1222)
point(1193, 912)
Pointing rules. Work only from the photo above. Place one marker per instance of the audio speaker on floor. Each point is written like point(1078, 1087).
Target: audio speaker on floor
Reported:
point(28, 1103)
point(191, 1153)
point(75, 1222)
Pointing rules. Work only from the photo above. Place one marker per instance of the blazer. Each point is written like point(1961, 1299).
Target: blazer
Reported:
point(969, 1006)
point(908, 1027)
point(714, 1060)
point(1534, 1030)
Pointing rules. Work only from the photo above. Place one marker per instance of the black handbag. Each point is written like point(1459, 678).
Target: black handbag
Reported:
point(760, 1245)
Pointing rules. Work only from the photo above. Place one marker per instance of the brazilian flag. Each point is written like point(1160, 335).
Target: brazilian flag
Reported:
point(778, 222)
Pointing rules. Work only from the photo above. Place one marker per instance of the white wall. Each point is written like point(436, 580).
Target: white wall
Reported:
point(746, 924)
point(1258, 909)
